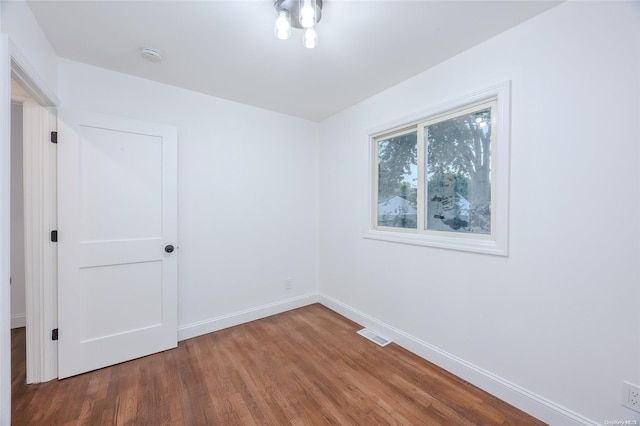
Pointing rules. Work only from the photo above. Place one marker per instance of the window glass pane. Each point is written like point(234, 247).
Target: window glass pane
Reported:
point(398, 180)
point(458, 174)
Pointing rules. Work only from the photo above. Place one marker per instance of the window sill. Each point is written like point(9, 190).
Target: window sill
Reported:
point(474, 244)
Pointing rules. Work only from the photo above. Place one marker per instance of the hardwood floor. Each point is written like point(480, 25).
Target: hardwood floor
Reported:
point(303, 367)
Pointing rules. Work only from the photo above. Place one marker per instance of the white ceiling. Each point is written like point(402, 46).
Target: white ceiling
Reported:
point(227, 48)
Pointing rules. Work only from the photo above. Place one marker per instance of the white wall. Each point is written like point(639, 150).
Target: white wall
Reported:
point(18, 305)
point(557, 318)
point(247, 191)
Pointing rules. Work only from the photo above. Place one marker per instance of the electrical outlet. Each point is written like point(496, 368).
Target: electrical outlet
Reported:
point(288, 284)
point(631, 396)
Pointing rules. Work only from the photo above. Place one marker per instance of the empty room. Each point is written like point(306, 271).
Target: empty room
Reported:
point(319, 212)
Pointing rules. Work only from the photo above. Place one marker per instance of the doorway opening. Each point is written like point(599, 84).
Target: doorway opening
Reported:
point(33, 285)
point(17, 267)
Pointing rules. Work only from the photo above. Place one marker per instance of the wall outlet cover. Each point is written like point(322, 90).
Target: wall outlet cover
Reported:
point(631, 396)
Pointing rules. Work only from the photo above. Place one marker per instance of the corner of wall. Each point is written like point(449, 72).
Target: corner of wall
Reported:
point(210, 325)
point(525, 400)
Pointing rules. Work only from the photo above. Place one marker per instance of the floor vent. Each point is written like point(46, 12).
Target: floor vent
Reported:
point(374, 337)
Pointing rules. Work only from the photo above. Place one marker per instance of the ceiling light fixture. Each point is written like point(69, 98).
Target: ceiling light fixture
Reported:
point(301, 14)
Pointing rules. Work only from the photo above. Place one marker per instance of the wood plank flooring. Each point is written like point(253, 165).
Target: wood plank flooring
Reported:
point(303, 367)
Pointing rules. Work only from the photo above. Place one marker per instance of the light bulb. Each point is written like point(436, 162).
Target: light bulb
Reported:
point(282, 27)
point(310, 38)
point(308, 13)
point(478, 120)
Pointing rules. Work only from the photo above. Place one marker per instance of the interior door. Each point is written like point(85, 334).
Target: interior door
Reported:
point(117, 235)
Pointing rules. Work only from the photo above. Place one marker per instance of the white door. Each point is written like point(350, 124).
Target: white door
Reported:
point(117, 231)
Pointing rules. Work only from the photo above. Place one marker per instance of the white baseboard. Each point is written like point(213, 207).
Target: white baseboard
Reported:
point(18, 320)
point(225, 321)
point(527, 401)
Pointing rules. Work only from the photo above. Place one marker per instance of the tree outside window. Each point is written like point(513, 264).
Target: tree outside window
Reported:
point(458, 173)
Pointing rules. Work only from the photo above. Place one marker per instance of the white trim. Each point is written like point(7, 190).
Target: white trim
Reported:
point(40, 253)
point(479, 245)
point(30, 80)
point(18, 321)
point(527, 401)
point(5, 229)
point(12, 64)
point(236, 318)
point(495, 244)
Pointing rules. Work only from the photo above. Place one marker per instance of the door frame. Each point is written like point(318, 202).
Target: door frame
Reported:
point(40, 213)
point(39, 164)
point(13, 64)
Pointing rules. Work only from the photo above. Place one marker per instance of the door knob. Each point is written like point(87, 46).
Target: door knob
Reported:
point(168, 248)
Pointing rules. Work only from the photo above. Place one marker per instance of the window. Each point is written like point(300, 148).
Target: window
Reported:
point(441, 180)
point(397, 180)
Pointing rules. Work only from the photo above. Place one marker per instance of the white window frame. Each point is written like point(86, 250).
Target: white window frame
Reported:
point(495, 243)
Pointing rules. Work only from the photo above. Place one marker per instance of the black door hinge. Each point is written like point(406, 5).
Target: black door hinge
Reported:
point(54, 137)
point(54, 236)
point(54, 334)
